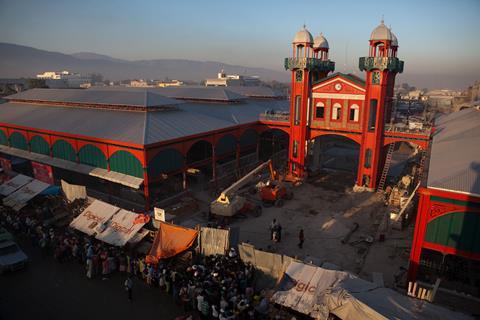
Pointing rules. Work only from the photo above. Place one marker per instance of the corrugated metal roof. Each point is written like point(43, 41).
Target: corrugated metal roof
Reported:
point(187, 119)
point(201, 93)
point(455, 156)
point(106, 124)
point(140, 97)
point(256, 91)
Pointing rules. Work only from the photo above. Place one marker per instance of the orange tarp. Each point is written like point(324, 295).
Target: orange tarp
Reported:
point(170, 240)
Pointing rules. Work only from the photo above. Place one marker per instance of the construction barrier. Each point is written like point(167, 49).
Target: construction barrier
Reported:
point(270, 264)
point(214, 241)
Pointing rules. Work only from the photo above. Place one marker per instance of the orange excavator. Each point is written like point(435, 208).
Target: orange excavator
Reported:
point(275, 191)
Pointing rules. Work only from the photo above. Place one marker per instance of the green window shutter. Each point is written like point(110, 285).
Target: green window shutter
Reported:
point(3, 138)
point(125, 162)
point(17, 140)
point(92, 156)
point(39, 145)
point(64, 150)
point(168, 160)
point(459, 230)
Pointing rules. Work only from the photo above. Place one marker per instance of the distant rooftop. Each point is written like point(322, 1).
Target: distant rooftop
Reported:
point(122, 99)
point(455, 157)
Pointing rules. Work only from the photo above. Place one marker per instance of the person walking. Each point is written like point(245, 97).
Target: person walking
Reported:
point(128, 286)
point(273, 227)
point(301, 238)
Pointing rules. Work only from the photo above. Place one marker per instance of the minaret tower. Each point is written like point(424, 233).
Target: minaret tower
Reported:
point(309, 62)
point(381, 66)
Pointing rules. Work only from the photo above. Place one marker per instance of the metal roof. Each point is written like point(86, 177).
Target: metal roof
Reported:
point(189, 118)
point(139, 98)
point(455, 156)
point(194, 93)
point(257, 91)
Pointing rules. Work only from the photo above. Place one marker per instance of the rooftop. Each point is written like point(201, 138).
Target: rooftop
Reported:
point(455, 157)
point(205, 112)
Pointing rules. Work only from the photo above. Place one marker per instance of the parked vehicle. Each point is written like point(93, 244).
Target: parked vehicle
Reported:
point(11, 257)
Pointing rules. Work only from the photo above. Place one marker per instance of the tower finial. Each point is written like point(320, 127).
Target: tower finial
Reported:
point(383, 19)
point(304, 25)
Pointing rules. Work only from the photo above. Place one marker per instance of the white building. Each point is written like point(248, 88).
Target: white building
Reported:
point(225, 80)
point(64, 79)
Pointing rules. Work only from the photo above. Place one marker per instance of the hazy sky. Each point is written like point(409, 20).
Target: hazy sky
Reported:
point(435, 36)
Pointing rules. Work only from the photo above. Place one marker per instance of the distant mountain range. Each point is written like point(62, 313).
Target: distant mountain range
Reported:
point(21, 61)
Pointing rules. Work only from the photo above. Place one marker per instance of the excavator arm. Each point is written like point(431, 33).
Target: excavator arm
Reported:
point(230, 191)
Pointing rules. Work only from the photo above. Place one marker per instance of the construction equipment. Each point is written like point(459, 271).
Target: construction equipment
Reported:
point(274, 191)
point(230, 203)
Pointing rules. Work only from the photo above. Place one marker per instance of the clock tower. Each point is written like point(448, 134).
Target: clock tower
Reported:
point(309, 63)
point(381, 66)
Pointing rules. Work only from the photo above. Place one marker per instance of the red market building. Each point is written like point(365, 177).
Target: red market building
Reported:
point(344, 105)
point(139, 143)
point(446, 241)
point(131, 142)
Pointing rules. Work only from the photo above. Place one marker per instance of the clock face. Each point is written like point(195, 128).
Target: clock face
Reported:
point(338, 86)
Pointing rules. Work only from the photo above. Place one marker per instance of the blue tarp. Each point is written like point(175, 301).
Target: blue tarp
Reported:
point(51, 190)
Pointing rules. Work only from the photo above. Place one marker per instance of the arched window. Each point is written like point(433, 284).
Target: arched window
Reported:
point(320, 110)
point(354, 113)
point(336, 111)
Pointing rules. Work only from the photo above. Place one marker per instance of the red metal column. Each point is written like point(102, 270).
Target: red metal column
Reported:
point(419, 234)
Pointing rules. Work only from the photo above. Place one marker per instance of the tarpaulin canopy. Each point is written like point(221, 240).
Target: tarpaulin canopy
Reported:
point(122, 227)
point(317, 292)
point(19, 199)
point(170, 241)
point(92, 220)
point(14, 184)
point(108, 223)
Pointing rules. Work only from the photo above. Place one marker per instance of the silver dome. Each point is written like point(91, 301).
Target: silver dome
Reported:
point(382, 32)
point(303, 36)
point(320, 42)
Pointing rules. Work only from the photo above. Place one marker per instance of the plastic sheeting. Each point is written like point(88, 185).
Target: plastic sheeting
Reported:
point(92, 220)
point(121, 228)
point(19, 199)
point(109, 224)
point(318, 292)
point(170, 241)
point(14, 184)
point(214, 241)
point(73, 191)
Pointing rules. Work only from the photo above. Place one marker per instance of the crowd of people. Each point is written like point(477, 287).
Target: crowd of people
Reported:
point(215, 287)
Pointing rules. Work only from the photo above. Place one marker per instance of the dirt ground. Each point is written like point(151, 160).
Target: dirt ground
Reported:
point(327, 208)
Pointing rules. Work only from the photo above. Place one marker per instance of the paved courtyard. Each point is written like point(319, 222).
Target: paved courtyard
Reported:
point(49, 290)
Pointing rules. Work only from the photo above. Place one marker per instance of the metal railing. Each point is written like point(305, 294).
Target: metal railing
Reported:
point(380, 63)
point(309, 63)
point(393, 127)
point(280, 117)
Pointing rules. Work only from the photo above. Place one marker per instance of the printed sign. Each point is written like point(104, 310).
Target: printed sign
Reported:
point(43, 172)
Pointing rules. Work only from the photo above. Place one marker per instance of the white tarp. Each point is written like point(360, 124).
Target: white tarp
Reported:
point(19, 199)
point(121, 228)
point(318, 292)
point(93, 219)
point(73, 191)
point(14, 184)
